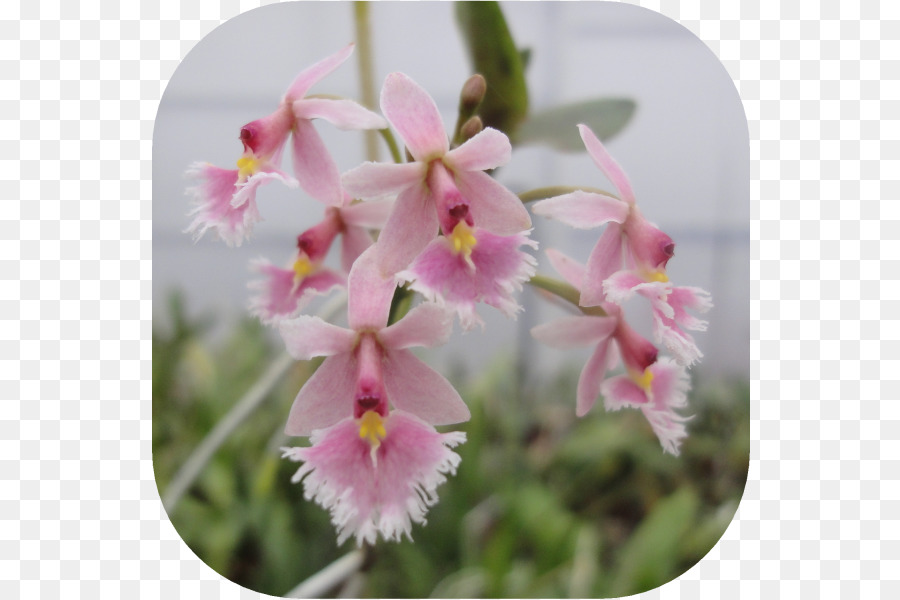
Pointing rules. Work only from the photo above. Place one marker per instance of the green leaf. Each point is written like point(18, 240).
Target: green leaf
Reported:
point(650, 556)
point(556, 127)
point(493, 53)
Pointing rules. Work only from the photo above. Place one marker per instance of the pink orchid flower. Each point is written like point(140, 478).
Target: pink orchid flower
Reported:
point(669, 304)
point(372, 488)
point(469, 266)
point(441, 187)
point(628, 239)
point(651, 385)
point(226, 198)
point(374, 468)
point(284, 292)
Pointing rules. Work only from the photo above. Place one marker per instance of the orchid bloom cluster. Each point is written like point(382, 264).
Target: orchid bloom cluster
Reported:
point(451, 233)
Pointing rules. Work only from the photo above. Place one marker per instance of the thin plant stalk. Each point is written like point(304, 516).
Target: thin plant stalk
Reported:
point(253, 399)
point(318, 584)
point(366, 71)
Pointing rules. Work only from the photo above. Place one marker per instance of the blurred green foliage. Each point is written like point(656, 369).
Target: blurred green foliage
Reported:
point(543, 504)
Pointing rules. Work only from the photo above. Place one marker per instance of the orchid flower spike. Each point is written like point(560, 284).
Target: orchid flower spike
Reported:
point(226, 198)
point(656, 387)
point(629, 239)
point(441, 187)
point(374, 468)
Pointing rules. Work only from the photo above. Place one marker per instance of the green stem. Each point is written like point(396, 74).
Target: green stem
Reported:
point(366, 70)
point(391, 144)
point(558, 190)
point(565, 291)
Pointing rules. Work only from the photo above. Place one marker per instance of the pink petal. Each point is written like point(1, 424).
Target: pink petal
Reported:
point(412, 224)
point(306, 337)
point(278, 295)
point(582, 210)
point(246, 191)
point(605, 259)
point(354, 242)
point(266, 137)
point(680, 344)
point(373, 214)
point(607, 164)
point(694, 298)
point(369, 294)
point(670, 386)
point(213, 209)
point(493, 207)
point(314, 167)
point(326, 398)
point(591, 377)
point(427, 325)
point(497, 271)
point(570, 269)
point(313, 74)
point(382, 492)
point(489, 149)
point(370, 180)
point(415, 116)
point(620, 286)
point(343, 114)
point(621, 392)
point(579, 330)
point(415, 387)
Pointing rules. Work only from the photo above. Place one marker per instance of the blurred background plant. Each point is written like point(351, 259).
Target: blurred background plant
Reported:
point(544, 504)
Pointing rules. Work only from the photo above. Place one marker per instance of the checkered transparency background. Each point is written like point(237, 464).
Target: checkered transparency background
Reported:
point(79, 87)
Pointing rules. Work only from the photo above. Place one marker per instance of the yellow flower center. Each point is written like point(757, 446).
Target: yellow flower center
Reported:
point(463, 240)
point(644, 380)
point(247, 167)
point(654, 276)
point(303, 267)
point(371, 429)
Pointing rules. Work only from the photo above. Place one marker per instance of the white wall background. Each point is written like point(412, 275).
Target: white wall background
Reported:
point(685, 151)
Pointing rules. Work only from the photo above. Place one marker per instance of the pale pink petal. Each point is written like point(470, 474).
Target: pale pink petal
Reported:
point(582, 210)
point(694, 298)
point(326, 398)
point(313, 74)
point(494, 272)
point(306, 337)
point(354, 242)
point(314, 167)
point(670, 386)
point(278, 295)
point(246, 191)
point(343, 114)
point(607, 164)
point(570, 269)
point(621, 392)
point(415, 387)
point(369, 294)
point(489, 149)
point(212, 204)
point(370, 179)
point(266, 137)
point(372, 214)
point(493, 207)
point(682, 346)
point(605, 259)
point(427, 325)
point(412, 224)
point(620, 286)
point(579, 330)
point(415, 116)
point(382, 492)
point(591, 377)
